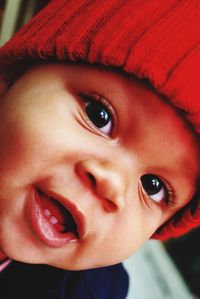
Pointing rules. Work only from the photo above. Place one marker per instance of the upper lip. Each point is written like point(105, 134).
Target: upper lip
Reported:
point(75, 211)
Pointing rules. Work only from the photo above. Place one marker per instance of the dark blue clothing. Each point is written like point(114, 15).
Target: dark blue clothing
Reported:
point(25, 281)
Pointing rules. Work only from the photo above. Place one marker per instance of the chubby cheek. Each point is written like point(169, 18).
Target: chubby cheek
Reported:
point(29, 148)
point(19, 153)
point(135, 227)
point(122, 237)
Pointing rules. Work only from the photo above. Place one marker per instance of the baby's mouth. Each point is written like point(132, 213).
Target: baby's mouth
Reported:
point(55, 220)
point(61, 219)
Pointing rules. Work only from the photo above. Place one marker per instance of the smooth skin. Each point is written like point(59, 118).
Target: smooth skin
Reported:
point(49, 140)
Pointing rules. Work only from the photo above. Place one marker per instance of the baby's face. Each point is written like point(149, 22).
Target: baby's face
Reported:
point(91, 164)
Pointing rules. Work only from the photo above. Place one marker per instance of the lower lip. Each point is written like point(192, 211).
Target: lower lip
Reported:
point(43, 228)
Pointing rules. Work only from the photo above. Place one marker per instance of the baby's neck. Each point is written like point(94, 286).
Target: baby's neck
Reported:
point(3, 257)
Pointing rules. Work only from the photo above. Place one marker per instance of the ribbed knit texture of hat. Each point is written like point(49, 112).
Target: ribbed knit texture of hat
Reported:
point(153, 39)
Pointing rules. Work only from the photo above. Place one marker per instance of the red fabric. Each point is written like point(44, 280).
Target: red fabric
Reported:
point(157, 40)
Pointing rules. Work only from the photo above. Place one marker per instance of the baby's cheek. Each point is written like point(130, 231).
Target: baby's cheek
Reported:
point(133, 229)
point(19, 156)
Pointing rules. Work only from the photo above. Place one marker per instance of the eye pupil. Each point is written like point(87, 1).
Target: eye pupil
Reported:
point(151, 184)
point(97, 114)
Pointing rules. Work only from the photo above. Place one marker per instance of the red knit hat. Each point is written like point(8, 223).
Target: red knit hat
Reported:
point(157, 40)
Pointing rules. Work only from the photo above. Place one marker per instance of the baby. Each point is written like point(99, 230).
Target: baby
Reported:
point(99, 144)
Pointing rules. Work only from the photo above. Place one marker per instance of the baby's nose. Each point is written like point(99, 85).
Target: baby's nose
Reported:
point(106, 181)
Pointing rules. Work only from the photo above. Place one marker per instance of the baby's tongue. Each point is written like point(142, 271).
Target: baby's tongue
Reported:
point(57, 214)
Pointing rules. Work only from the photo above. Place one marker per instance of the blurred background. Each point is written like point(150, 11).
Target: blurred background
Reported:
point(166, 270)
point(159, 270)
point(15, 13)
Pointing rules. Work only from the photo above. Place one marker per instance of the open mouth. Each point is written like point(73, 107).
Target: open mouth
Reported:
point(61, 219)
point(56, 221)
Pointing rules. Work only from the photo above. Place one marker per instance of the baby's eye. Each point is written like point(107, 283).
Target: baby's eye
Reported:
point(155, 188)
point(99, 113)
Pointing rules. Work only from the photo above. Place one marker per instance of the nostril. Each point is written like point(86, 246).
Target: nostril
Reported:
point(109, 205)
point(92, 179)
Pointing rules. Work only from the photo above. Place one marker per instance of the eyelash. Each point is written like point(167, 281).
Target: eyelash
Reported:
point(171, 197)
point(171, 194)
point(91, 97)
